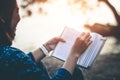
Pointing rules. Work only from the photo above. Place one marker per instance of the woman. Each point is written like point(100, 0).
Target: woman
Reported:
point(16, 65)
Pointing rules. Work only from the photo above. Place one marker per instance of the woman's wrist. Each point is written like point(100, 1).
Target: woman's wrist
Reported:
point(44, 50)
point(47, 47)
point(38, 54)
point(70, 63)
point(75, 54)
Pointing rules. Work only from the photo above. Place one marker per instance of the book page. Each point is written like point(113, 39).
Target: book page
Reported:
point(62, 50)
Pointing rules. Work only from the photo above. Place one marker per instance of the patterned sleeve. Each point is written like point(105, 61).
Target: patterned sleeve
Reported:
point(27, 69)
point(31, 56)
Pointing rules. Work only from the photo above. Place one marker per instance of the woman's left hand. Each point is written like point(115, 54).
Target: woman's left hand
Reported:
point(51, 44)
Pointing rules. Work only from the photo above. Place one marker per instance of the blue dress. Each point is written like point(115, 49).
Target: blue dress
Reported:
point(16, 65)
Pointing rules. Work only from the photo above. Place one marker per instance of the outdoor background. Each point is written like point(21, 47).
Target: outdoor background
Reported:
point(43, 19)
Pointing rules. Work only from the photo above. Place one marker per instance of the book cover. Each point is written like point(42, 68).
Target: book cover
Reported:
point(86, 60)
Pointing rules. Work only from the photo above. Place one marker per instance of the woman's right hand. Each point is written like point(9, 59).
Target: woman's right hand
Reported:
point(81, 44)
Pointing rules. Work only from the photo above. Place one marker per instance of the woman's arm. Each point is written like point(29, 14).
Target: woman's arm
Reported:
point(38, 54)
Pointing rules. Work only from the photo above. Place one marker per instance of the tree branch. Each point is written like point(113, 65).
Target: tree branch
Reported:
point(117, 17)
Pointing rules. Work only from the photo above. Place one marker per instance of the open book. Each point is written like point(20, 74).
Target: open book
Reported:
point(62, 50)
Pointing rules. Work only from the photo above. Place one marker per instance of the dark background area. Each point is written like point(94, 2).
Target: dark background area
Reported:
point(106, 67)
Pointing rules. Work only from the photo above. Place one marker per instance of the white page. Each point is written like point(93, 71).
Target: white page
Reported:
point(63, 49)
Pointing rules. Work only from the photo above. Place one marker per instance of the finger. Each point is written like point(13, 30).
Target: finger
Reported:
point(60, 39)
point(85, 36)
point(88, 38)
point(81, 35)
point(89, 42)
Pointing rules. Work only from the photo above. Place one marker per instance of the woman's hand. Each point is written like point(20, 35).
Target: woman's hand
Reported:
point(51, 44)
point(81, 44)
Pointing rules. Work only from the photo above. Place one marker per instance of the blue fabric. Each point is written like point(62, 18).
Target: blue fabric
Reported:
point(16, 65)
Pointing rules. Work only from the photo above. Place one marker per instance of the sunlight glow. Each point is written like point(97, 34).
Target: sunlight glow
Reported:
point(54, 16)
